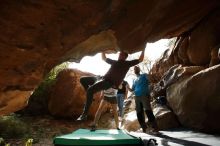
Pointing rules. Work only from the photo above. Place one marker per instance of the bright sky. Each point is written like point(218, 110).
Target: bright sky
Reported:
point(95, 65)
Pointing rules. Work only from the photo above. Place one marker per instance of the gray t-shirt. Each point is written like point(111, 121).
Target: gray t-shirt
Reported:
point(111, 92)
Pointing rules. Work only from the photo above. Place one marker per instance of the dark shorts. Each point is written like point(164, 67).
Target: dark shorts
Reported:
point(111, 100)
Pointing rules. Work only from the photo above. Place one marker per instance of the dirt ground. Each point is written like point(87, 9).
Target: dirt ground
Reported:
point(43, 130)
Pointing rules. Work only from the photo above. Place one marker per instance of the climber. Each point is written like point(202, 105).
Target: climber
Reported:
point(112, 78)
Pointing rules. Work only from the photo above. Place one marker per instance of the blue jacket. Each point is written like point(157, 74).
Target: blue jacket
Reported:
point(140, 85)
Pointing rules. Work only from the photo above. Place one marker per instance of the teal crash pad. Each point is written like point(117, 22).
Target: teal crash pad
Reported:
point(84, 137)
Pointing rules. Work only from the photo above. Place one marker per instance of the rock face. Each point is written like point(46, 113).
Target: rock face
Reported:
point(13, 101)
point(68, 96)
point(190, 49)
point(166, 119)
point(189, 93)
point(37, 35)
point(195, 100)
point(164, 116)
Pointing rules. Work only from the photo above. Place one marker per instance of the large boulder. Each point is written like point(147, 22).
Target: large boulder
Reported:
point(171, 76)
point(165, 117)
point(68, 96)
point(195, 100)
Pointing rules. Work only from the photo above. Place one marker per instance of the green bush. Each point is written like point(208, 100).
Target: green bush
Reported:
point(42, 90)
point(12, 127)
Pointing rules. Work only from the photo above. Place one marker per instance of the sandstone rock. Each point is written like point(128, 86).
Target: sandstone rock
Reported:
point(13, 101)
point(200, 47)
point(68, 96)
point(195, 100)
point(182, 51)
point(214, 57)
point(219, 53)
point(192, 49)
point(171, 76)
point(166, 119)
